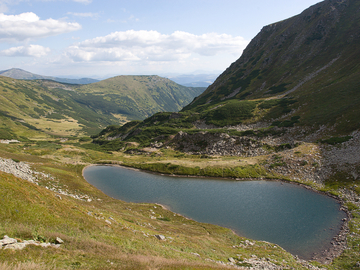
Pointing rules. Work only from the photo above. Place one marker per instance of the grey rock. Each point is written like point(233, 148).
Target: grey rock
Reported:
point(59, 240)
point(16, 246)
point(160, 237)
point(7, 241)
point(108, 222)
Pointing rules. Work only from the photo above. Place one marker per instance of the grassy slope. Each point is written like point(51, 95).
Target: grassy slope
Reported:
point(44, 106)
point(140, 96)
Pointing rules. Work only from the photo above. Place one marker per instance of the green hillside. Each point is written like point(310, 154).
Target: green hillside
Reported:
point(137, 97)
point(66, 109)
point(46, 106)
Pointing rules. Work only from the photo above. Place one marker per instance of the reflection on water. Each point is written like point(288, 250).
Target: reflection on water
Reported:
point(299, 220)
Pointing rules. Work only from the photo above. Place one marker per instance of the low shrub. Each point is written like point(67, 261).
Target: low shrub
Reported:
point(336, 140)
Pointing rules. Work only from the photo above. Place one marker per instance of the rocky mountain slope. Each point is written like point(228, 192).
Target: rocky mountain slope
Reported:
point(311, 59)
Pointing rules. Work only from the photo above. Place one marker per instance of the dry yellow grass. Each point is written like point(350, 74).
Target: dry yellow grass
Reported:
point(63, 127)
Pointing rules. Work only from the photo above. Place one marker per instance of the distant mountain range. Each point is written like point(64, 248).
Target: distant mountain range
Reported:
point(189, 80)
point(17, 73)
point(194, 80)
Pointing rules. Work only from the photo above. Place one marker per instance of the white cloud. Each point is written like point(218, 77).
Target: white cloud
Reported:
point(83, 1)
point(85, 15)
point(154, 46)
point(14, 28)
point(31, 50)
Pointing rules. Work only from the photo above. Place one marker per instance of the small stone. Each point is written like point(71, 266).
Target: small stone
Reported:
point(59, 240)
point(232, 260)
point(108, 222)
point(160, 237)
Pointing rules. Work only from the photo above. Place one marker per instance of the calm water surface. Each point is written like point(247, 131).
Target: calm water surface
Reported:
point(299, 220)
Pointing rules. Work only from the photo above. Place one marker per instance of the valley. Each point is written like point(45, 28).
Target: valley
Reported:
point(287, 110)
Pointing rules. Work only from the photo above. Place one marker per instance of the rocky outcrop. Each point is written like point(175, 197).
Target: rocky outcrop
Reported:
point(218, 144)
point(16, 244)
point(23, 170)
point(18, 169)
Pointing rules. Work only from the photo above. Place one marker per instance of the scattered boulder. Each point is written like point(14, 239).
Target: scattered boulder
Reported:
point(7, 241)
point(108, 222)
point(59, 240)
point(160, 237)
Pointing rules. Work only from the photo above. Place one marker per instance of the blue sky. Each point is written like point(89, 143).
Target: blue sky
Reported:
point(102, 38)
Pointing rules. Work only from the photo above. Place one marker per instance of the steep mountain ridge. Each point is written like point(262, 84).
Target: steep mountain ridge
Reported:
point(312, 57)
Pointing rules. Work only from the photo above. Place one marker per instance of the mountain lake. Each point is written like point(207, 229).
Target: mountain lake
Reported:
point(299, 220)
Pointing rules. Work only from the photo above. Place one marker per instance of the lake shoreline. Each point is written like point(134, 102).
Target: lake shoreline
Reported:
point(335, 247)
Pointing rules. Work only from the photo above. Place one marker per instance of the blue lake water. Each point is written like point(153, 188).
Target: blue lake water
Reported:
point(299, 220)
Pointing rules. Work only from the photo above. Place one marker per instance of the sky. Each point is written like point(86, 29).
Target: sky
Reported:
point(104, 38)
